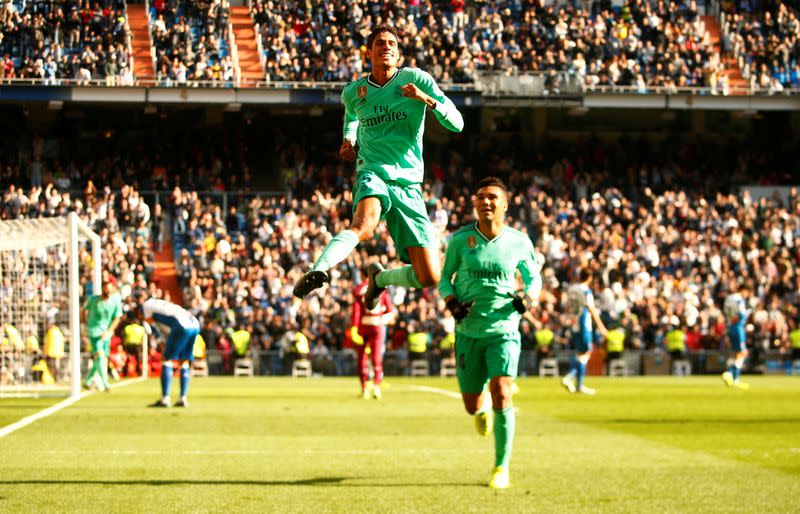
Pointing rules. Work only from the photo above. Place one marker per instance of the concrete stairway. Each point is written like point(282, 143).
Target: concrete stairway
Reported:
point(142, 61)
point(729, 64)
point(243, 31)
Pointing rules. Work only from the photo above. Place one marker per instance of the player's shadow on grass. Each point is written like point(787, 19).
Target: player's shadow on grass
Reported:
point(697, 421)
point(307, 481)
point(328, 481)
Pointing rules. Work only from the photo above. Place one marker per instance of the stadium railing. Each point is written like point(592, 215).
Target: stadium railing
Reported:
point(539, 85)
point(396, 362)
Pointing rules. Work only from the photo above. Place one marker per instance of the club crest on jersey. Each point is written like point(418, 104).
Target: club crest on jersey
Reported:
point(472, 241)
point(362, 92)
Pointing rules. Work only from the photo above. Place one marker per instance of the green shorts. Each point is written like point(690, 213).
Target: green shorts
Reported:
point(403, 208)
point(100, 345)
point(479, 359)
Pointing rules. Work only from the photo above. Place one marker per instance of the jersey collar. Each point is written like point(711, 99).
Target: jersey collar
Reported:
point(374, 84)
point(478, 230)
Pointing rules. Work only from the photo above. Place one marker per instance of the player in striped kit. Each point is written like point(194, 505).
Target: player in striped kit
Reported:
point(181, 328)
point(736, 312)
point(369, 337)
point(580, 304)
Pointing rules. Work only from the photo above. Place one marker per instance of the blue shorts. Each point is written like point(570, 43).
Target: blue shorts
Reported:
point(582, 342)
point(737, 338)
point(180, 344)
point(180, 341)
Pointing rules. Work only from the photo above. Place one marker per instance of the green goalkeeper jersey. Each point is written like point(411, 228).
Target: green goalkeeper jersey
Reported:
point(485, 272)
point(388, 126)
point(100, 313)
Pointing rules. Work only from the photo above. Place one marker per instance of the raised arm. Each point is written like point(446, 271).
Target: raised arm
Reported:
point(426, 90)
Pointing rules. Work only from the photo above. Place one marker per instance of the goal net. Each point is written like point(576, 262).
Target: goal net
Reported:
point(44, 266)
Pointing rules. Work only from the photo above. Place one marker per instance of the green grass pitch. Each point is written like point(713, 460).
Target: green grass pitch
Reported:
point(310, 445)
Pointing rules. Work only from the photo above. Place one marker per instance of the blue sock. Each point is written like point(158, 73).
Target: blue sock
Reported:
point(737, 371)
point(581, 373)
point(185, 374)
point(732, 370)
point(573, 367)
point(166, 380)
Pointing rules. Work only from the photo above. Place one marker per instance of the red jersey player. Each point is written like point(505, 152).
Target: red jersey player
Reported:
point(369, 336)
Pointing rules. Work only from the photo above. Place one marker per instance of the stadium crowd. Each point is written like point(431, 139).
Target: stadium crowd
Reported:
point(662, 258)
point(190, 40)
point(637, 44)
point(640, 44)
point(765, 44)
point(66, 40)
point(665, 242)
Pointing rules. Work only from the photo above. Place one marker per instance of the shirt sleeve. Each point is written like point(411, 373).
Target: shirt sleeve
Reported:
point(451, 263)
point(531, 276)
point(445, 111)
point(117, 308)
point(350, 128)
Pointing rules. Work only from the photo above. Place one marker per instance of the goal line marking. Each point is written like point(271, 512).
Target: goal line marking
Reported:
point(24, 422)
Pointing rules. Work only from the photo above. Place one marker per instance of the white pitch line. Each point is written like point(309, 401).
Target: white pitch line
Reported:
point(24, 422)
point(436, 390)
point(128, 382)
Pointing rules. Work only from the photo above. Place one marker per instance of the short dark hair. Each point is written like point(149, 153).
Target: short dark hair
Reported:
point(492, 182)
point(584, 274)
point(383, 27)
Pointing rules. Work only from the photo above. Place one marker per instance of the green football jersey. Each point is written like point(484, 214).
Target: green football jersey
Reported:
point(388, 127)
point(100, 313)
point(485, 272)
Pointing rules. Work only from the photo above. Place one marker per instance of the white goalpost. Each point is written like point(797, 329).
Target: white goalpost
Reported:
point(41, 265)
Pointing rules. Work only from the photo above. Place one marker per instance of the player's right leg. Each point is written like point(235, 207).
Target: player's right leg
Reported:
point(583, 361)
point(414, 237)
point(171, 354)
point(363, 368)
point(98, 362)
point(738, 364)
point(377, 343)
point(371, 199)
point(186, 356)
point(502, 358)
point(473, 378)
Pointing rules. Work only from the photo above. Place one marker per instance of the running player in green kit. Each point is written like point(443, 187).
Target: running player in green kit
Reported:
point(484, 257)
point(384, 113)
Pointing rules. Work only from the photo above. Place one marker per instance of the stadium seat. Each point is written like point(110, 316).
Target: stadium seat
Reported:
point(420, 368)
point(548, 368)
point(199, 368)
point(617, 368)
point(796, 366)
point(301, 368)
point(448, 368)
point(682, 367)
point(243, 368)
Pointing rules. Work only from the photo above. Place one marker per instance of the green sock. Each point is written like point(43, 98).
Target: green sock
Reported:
point(405, 276)
point(103, 364)
point(504, 421)
point(337, 250)
point(92, 372)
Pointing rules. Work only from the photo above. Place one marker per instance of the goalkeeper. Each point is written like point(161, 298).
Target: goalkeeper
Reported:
point(483, 298)
point(102, 313)
point(369, 337)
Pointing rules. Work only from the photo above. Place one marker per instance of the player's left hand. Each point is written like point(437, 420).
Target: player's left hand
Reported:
point(410, 90)
point(521, 303)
